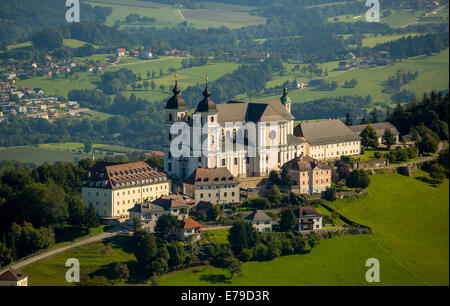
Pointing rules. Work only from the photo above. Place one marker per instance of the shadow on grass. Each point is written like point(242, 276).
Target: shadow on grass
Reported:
point(426, 180)
point(215, 279)
point(136, 274)
point(124, 243)
point(70, 234)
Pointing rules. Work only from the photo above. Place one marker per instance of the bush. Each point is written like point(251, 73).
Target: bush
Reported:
point(245, 255)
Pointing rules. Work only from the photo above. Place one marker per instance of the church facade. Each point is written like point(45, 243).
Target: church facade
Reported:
point(249, 139)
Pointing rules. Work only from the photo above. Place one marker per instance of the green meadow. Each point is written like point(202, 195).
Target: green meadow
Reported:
point(409, 216)
point(63, 152)
point(211, 15)
point(433, 75)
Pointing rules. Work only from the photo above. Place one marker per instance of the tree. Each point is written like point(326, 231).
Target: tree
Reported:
point(348, 119)
point(358, 179)
point(369, 137)
point(287, 221)
point(77, 210)
point(91, 218)
point(166, 226)
point(146, 85)
point(233, 265)
point(145, 250)
point(159, 266)
point(374, 115)
point(313, 239)
point(87, 147)
point(119, 271)
point(285, 177)
point(389, 138)
point(213, 212)
point(437, 172)
point(428, 144)
point(242, 235)
point(47, 39)
point(330, 193)
point(274, 195)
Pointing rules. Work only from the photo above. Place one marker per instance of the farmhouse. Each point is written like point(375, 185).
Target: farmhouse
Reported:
point(149, 212)
point(380, 128)
point(114, 189)
point(329, 139)
point(13, 278)
point(214, 185)
point(189, 230)
point(260, 221)
point(309, 219)
point(310, 175)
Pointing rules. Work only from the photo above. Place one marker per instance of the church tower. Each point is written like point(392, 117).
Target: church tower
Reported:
point(286, 100)
point(176, 110)
point(209, 113)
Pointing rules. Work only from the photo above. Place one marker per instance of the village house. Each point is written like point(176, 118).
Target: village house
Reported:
point(121, 52)
point(344, 65)
point(214, 185)
point(114, 189)
point(149, 212)
point(13, 278)
point(380, 128)
point(310, 175)
point(309, 219)
point(260, 221)
point(328, 139)
point(189, 230)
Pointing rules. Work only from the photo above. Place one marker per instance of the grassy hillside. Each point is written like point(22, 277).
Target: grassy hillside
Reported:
point(65, 152)
point(433, 75)
point(408, 215)
point(410, 220)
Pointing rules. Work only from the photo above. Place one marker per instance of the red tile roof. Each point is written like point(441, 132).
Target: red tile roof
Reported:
point(124, 176)
point(189, 223)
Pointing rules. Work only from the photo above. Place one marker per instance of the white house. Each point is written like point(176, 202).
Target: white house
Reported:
point(309, 219)
point(260, 220)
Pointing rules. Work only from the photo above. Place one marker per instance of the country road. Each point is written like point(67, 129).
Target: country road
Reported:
point(111, 233)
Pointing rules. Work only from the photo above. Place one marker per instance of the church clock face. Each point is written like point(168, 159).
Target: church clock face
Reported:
point(273, 135)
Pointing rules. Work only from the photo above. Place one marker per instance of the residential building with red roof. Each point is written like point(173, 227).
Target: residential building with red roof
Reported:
point(114, 189)
point(189, 230)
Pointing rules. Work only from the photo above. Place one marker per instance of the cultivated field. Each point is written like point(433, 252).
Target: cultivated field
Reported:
point(211, 14)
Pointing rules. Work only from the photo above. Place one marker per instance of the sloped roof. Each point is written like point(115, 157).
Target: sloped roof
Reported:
point(124, 175)
point(306, 163)
point(258, 215)
point(308, 212)
point(189, 223)
point(211, 176)
point(293, 141)
point(12, 275)
point(325, 132)
point(173, 201)
point(380, 128)
point(268, 111)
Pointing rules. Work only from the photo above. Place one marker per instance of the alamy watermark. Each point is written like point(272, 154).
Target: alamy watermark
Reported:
point(73, 13)
point(373, 14)
point(373, 274)
point(73, 273)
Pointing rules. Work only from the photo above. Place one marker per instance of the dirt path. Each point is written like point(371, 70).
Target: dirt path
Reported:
point(96, 238)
